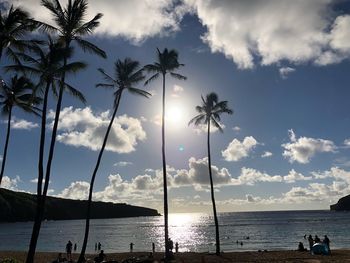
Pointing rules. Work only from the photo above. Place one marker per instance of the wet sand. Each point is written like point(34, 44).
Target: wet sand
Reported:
point(338, 256)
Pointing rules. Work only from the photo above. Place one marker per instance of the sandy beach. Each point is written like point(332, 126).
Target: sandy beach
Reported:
point(340, 256)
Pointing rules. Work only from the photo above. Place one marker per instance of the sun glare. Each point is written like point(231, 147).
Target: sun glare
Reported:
point(174, 114)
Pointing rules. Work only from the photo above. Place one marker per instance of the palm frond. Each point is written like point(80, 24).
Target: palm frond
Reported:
point(140, 92)
point(87, 46)
point(152, 78)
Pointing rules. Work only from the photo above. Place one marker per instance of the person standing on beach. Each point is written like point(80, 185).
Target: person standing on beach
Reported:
point(95, 246)
point(176, 247)
point(99, 246)
point(75, 247)
point(311, 242)
point(69, 247)
point(153, 247)
point(326, 241)
point(131, 247)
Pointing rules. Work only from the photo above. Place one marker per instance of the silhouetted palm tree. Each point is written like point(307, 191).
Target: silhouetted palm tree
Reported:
point(71, 26)
point(47, 65)
point(127, 74)
point(209, 113)
point(15, 94)
point(13, 26)
point(167, 62)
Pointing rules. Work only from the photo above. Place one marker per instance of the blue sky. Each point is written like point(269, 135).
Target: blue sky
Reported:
point(283, 67)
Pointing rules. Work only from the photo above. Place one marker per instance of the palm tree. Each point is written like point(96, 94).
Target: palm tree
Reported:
point(15, 94)
point(13, 26)
point(71, 26)
point(127, 75)
point(167, 62)
point(209, 113)
point(47, 65)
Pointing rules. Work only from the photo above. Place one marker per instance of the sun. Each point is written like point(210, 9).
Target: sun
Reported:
point(174, 114)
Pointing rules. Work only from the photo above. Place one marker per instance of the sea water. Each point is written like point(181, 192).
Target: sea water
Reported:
point(281, 230)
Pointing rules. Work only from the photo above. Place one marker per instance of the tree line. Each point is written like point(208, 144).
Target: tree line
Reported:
point(40, 67)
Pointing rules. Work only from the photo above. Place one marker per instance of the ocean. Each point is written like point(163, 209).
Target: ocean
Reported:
point(279, 230)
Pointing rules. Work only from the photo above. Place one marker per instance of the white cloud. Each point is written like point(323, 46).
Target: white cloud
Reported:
point(285, 71)
point(20, 124)
point(76, 190)
point(266, 154)
point(236, 128)
point(122, 164)
point(11, 184)
point(203, 128)
point(81, 127)
point(237, 150)
point(274, 31)
point(177, 91)
point(250, 176)
point(131, 19)
point(347, 143)
point(293, 176)
point(301, 150)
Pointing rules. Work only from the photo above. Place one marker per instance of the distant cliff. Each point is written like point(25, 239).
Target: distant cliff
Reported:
point(342, 205)
point(18, 206)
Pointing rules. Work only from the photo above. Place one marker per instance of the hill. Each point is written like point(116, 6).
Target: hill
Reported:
point(342, 205)
point(19, 206)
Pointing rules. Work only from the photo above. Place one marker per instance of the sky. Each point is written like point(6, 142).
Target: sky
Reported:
point(283, 66)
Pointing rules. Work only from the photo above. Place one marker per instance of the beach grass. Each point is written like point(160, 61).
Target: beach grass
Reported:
point(337, 256)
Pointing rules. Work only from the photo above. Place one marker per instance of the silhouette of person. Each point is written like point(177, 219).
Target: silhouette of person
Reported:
point(131, 247)
point(153, 247)
point(301, 247)
point(95, 246)
point(241, 243)
point(176, 247)
point(75, 247)
point(311, 243)
point(101, 257)
point(317, 239)
point(326, 241)
point(99, 246)
point(171, 245)
point(69, 247)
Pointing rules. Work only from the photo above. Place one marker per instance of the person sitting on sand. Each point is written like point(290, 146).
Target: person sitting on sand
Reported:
point(101, 257)
point(301, 247)
point(311, 242)
point(317, 239)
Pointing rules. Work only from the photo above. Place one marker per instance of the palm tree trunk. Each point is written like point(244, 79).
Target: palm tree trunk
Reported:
point(40, 213)
point(165, 186)
point(6, 144)
point(38, 216)
point(87, 223)
point(212, 196)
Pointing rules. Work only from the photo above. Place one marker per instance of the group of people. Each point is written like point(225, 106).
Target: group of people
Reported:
point(312, 241)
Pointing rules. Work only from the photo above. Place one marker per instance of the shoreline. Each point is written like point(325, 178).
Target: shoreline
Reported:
point(337, 256)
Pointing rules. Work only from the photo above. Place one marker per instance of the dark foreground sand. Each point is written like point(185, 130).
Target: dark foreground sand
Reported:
point(340, 256)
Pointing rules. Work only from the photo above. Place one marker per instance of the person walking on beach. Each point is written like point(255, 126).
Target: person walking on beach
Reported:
point(311, 242)
point(75, 247)
point(131, 247)
point(326, 241)
point(69, 247)
point(176, 247)
point(153, 247)
point(99, 246)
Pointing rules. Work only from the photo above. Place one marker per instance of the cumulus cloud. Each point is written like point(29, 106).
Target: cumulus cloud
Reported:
point(266, 154)
point(84, 128)
point(301, 150)
point(236, 128)
point(11, 184)
point(131, 19)
point(274, 31)
point(76, 190)
point(293, 176)
point(20, 124)
point(250, 176)
point(285, 71)
point(237, 150)
point(177, 91)
point(203, 128)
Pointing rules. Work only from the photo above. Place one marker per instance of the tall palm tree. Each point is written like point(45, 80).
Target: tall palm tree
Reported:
point(167, 62)
point(126, 75)
point(70, 27)
point(209, 113)
point(15, 94)
point(47, 65)
point(13, 26)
